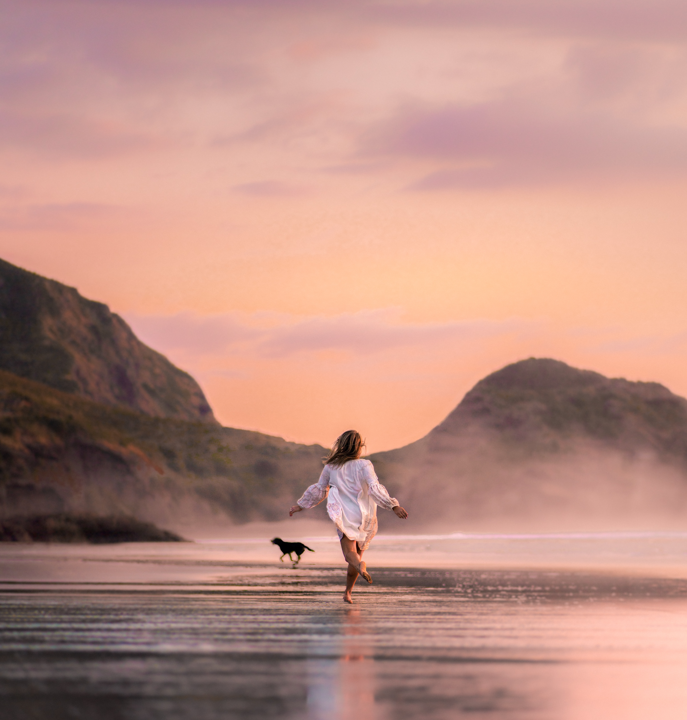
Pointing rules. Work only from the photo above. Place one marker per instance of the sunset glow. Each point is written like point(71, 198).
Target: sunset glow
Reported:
point(344, 215)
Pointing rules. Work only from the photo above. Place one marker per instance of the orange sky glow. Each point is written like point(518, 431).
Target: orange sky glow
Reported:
point(342, 215)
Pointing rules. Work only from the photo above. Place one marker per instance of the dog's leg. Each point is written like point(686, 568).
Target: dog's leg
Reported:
point(282, 557)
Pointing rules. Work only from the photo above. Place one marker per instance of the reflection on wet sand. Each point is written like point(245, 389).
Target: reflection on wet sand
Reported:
point(344, 687)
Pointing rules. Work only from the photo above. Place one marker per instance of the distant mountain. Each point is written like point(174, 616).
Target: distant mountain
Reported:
point(542, 443)
point(541, 405)
point(51, 334)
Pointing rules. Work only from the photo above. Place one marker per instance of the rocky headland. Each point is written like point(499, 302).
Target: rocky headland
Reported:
point(92, 421)
point(542, 444)
point(50, 334)
point(70, 528)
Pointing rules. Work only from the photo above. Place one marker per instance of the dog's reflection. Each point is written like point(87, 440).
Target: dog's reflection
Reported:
point(343, 688)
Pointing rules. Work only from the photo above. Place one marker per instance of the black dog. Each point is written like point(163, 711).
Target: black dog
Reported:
point(288, 547)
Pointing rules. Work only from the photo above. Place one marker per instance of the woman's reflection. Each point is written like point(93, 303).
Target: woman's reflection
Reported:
point(343, 688)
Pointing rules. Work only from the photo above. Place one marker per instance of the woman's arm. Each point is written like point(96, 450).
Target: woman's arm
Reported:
point(379, 493)
point(314, 495)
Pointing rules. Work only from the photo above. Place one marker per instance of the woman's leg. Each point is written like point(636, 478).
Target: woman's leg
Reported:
point(351, 577)
point(356, 566)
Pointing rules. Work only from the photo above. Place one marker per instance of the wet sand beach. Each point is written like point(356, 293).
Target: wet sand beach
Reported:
point(575, 627)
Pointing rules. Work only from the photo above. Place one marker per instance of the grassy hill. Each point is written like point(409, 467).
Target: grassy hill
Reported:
point(540, 405)
point(63, 453)
point(543, 444)
point(51, 334)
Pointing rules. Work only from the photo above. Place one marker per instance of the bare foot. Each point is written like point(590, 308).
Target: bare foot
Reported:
point(362, 569)
point(348, 598)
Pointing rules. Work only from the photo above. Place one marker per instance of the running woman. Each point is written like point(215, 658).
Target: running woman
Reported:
point(353, 493)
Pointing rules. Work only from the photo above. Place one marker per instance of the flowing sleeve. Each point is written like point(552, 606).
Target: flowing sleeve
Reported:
point(377, 491)
point(316, 493)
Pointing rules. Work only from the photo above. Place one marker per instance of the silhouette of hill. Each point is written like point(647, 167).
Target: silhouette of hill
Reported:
point(50, 334)
point(542, 442)
point(541, 404)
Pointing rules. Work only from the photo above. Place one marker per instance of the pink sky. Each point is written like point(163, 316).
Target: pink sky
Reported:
point(344, 214)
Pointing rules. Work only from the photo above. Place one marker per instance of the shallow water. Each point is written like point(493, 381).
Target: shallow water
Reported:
point(571, 627)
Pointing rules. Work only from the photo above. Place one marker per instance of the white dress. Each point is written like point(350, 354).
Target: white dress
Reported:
point(353, 493)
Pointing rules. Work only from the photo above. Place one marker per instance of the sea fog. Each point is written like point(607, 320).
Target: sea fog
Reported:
point(501, 625)
point(474, 482)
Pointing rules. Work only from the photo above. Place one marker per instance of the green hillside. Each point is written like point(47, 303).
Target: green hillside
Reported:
point(60, 452)
point(51, 334)
point(540, 404)
point(540, 441)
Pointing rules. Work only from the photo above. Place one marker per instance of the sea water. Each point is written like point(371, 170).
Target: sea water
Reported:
point(560, 626)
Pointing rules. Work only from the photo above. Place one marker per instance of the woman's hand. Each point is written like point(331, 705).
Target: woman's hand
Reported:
point(400, 512)
point(295, 509)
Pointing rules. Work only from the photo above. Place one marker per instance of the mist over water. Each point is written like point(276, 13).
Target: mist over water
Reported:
point(499, 625)
point(457, 483)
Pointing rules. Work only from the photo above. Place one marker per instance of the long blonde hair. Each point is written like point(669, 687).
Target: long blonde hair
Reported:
point(348, 446)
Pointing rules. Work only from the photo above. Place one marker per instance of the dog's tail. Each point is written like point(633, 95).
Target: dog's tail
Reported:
point(307, 548)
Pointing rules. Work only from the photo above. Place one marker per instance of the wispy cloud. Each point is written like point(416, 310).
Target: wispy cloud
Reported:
point(514, 141)
point(69, 135)
point(11, 192)
point(663, 20)
point(374, 332)
point(268, 188)
point(674, 344)
point(197, 334)
point(282, 336)
point(60, 217)
point(657, 20)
